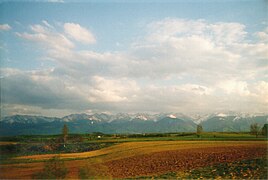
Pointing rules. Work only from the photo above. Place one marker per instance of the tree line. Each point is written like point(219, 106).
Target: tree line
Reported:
point(254, 129)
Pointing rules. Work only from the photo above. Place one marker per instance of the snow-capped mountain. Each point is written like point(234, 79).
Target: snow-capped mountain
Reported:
point(172, 116)
point(73, 117)
point(26, 119)
point(128, 123)
point(234, 123)
point(93, 117)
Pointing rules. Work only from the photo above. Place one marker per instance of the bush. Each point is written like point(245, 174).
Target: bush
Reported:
point(54, 168)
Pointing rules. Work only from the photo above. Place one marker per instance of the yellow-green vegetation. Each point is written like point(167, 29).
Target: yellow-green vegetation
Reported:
point(137, 148)
point(99, 163)
point(2, 143)
point(104, 157)
point(53, 144)
point(54, 168)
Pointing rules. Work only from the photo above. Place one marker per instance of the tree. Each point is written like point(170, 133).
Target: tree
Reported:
point(264, 130)
point(199, 129)
point(54, 168)
point(65, 133)
point(254, 129)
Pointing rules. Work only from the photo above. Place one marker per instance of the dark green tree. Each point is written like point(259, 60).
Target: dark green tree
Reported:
point(199, 130)
point(254, 129)
point(264, 130)
point(54, 168)
point(65, 133)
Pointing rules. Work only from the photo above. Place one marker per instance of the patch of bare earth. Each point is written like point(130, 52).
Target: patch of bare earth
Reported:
point(180, 160)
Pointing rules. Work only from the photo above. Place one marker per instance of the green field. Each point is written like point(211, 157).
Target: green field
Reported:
point(51, 144)
point(153, 155)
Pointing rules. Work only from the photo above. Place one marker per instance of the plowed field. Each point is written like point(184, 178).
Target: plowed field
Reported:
point(178, 160)
point(135, 159)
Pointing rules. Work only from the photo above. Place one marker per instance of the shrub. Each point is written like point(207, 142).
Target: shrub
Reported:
point(54, 168)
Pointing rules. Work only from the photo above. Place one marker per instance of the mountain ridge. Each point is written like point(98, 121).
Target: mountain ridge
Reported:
point(126, 123)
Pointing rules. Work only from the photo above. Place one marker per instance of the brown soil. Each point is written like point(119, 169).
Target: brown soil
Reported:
point(179, 160)
point(136, 159)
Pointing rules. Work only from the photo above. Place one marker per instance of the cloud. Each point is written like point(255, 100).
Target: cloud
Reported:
point(196, 89)
point(78, 33)
point(112, 90)
point(235, 87)
point(221, 33)
point(47, 24)
point(179, 65)
point(5, 27)
point(263, 35)
point(52, 90)
point(55, 41)
point(37, 88)
point(262, 91)
point(47, 89)
point(198, 49)
point(50, 39)
point(55, 1)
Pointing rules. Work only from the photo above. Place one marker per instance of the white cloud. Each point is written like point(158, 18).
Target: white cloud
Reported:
point(196, 89)
point(208, 52)
point(111, 90)
point(262, 92)
point(55, 1)
point(221, 33)
point(227, 33)
point(263, 35)
point(58, 46)
point(47, 24)
point(5, 27)
point(180, 65)
point(55, 43)
point(236, 87)
point(47, 37)
point(167, 28)
point(79, 33)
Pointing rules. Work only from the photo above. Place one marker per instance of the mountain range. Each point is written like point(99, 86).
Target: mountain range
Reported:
point(127, 123)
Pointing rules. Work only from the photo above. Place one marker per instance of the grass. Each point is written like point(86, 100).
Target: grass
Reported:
point(132, 137)
point(122, 146)
point(11, 151)
point(50, 144)
point(136, 148)
point(26, 166)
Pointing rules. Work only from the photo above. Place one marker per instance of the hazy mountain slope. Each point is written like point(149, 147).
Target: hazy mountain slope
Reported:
point(124, 123)
point(83, 123)
point(232, 123)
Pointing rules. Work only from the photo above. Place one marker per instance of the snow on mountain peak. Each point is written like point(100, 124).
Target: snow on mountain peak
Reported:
point(172, 116)
point(237, 118)
point(221, 115)
point(142, 117)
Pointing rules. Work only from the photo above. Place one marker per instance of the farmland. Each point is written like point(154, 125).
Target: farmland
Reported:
point(171, 156)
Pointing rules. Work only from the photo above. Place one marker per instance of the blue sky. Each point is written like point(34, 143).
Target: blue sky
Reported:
point(76, 52)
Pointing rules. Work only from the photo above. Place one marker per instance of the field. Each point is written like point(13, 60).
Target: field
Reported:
point(153, 157)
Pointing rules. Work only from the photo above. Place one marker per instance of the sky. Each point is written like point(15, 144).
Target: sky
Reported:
point(193, 57)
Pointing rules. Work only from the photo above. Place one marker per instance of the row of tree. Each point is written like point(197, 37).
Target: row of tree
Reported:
point(254, 129)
